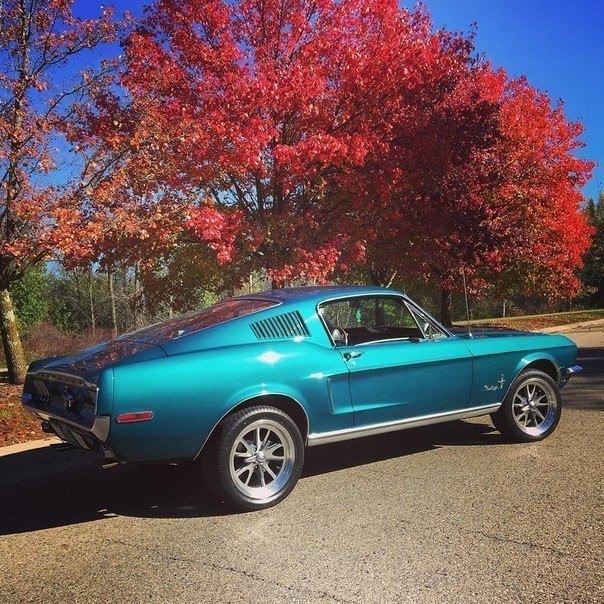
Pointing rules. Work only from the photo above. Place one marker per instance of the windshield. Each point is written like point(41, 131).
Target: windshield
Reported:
point(199, 319)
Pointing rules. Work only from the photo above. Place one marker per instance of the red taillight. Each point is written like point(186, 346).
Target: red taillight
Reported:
point(139, 416)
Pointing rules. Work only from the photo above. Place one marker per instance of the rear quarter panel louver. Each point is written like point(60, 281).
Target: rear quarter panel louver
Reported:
point(281, 327)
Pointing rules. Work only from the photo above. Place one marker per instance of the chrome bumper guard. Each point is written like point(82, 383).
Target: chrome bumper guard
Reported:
point(567, 373)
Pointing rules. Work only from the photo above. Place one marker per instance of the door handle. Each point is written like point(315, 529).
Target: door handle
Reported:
point(351, 355)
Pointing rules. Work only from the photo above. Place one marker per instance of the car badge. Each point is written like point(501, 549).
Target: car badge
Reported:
point(500, 381)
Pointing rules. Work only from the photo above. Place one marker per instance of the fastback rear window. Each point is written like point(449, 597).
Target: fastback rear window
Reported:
point(200, 319)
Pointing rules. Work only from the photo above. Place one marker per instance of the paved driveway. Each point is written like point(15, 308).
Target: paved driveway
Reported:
point(450, 513)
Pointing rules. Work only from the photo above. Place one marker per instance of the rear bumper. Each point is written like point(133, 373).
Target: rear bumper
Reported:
point(99, 428)
point(92, 438)
point(567, 373)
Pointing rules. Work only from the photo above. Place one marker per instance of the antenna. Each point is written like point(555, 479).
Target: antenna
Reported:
point(465, 293)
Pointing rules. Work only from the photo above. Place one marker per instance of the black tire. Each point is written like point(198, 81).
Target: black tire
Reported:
point(511, 427)
point(222, 452)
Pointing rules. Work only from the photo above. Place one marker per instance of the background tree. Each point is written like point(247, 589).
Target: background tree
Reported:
point(38, 40)
point(592, 275)
point(288, 142)
point(495, 192)
point(433, 219)
point(30, 298)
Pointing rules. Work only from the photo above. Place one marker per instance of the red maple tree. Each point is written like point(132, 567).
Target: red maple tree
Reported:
point(313, 136)
point(264, 116)
point(494, 191)
point(38, 41)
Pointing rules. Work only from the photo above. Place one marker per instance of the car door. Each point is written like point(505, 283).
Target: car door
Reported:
point(397, 369)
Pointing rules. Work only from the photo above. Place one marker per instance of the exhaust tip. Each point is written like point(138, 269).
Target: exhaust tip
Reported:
point(47, 428)
point(106, 465)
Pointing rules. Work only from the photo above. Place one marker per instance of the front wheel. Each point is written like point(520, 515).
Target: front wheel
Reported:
point(255, 459)
point(532, 408)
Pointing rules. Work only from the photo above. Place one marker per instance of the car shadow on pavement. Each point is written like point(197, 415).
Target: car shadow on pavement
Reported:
point(330, 458)
point(585, 391)
point(53, 486)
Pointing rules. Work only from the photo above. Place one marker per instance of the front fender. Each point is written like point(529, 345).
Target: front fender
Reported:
point(529, 358)
point(504, 357)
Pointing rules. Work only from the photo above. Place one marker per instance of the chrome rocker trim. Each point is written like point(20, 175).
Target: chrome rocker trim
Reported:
point(334, 436)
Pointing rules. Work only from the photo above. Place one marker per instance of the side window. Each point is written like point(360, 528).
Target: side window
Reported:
point(428, 327)
point(369, 319)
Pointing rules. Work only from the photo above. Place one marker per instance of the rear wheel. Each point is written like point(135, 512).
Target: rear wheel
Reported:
point(532, 408)
point(255, 459)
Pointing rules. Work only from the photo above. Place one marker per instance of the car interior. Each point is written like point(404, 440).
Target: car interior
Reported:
point(369, 319)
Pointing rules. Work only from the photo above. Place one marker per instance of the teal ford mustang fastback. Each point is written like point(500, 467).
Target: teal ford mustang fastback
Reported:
point(244, 386)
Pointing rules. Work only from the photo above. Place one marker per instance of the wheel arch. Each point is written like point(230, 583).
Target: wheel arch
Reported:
point(544, 363)
point(287, 403)
point(548, 366)
point(540, 361)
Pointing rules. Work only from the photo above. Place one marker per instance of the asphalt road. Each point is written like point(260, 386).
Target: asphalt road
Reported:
point(450, 513)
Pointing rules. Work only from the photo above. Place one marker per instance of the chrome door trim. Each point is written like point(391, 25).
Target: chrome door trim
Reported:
point(322, 438)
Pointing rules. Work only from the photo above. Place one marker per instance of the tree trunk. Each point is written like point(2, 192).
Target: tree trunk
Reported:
point(112, 302)
point(77, 286)
point(446, 302)
point(91, 301)
point(13, 350)
point(134, 297)
point(139, 300)
point(381, 277)
point(372, 276)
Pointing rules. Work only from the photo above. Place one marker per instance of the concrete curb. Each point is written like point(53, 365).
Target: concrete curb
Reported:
point(29, 446)
point(573, 326)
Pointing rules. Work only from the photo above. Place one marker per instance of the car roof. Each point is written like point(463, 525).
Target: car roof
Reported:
point(317, 293)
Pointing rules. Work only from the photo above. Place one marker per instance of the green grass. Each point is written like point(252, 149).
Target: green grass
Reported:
point(540, 321)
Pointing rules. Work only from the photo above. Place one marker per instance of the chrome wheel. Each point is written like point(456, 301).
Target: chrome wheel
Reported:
point(534, 406)
point(262, 459)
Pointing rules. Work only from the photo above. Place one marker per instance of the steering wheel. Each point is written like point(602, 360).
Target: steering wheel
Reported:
point(339, 336)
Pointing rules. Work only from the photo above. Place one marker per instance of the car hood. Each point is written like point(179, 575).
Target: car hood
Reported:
point(89, 362)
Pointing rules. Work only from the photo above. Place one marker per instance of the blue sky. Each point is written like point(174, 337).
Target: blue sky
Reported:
point(557, 44)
